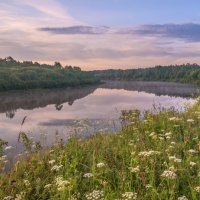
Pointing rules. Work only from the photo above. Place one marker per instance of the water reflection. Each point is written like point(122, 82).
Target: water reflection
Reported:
point(83, 110)
point(29, 100)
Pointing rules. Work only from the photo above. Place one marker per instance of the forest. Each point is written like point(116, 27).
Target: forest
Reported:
point(186, 73)
point(16, 75)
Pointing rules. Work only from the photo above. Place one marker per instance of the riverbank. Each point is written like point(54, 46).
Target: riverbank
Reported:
point(15, 75)
point(157, 158)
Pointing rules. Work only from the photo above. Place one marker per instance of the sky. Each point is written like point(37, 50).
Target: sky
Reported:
point(101, 34)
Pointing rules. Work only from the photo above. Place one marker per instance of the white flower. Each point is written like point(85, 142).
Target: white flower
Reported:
point(197, 189)
point(56, 168)
point(95, 195)
point(169, 174)
point(8, 198)
point(168, 134)
point(182, 198)
point(177, 160)
point(129, 195)
point(47, 186)
point(26, 182)
point(192, 151)
point(148, 153)
point(20, 196)
point(173, 143)
point(152, 134)
point(88, 175)
point(134, 170)
point(8, 148)
point(190, 120)
point(172, 119)
point(51, 162)
point(100, 165)
point(192, 164)
point(60, 183)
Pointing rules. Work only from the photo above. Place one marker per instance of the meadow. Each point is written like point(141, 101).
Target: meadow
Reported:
point(155, 156)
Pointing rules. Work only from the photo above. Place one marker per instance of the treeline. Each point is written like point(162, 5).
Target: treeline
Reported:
point(16, 75)
point(186, 73)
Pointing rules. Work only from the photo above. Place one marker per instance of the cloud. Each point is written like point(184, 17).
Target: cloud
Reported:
point(76, 30)
point(187, 32)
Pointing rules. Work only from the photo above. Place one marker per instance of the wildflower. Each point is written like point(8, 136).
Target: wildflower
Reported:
point(172, 119)
point(88, 175)
point(169, 174)
point(8, 198)
point(4, 157)
point(96, 195)
point(51, 162)
point(190, 120)
point(192, 164)
point(182, 198)
point(197, 189)
point(173, 143)
point(100, 165)
point(148, 186)
point(168, 134)
point(192, 151)
point(149, 153)
point(47, 186)
point(56, 168)
point(129, 195)
point(20, 196)
point(26, 182)
point(152, 134)
point(177, 160)
point(60, 183)
point(134, 170)
point(172, 157)
point(8, 148)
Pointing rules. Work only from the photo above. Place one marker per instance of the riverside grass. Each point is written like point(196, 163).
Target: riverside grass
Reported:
point(156, 158)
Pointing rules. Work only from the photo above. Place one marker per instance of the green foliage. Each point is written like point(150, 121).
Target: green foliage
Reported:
point(16, 75)
point(187, 73)
point(157, 158)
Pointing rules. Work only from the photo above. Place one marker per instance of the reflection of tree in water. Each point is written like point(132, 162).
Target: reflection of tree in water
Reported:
point(31, 99)
point(10, 114)
point(59, 107)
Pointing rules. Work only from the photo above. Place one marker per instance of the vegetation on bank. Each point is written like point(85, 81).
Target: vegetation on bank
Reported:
point(187, 73)
point(157, 158)
point(16, 75)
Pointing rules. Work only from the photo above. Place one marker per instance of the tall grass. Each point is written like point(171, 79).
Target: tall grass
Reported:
point(156, 158)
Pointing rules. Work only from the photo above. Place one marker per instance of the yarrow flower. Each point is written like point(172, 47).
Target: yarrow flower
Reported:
point(88, 175)
point(190, 120)
point(197, 189)
point(149, 153)
point(8, 198)
point(52, 162)
point(182, 198)
point(129, 195)
point(56, 168)
point(47, 186)
point(61, 183)
point(169, 174)
point(26, 182)
point(192, 164)
point(100, 165)
point(8, 148)
point(95, 195)
point(192, 151)
point(134, 170)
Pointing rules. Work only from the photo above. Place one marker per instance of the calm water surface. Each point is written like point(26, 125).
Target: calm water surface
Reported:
point(83, 110)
